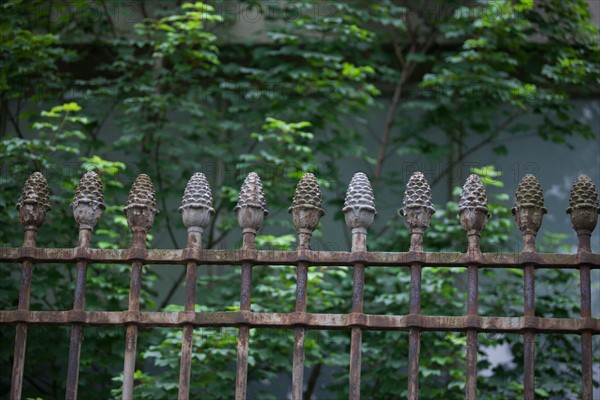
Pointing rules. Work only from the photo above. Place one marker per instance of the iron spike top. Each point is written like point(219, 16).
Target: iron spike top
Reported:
point(35, 191)
point(197, 194)
point(583, 194)
point(89, 191)
point(307, 195)
point(142, 194)
point(34, 201)
point(359, 194)
point(473, 195)
point(529, 194)
point(251, 194)
point(417, 194)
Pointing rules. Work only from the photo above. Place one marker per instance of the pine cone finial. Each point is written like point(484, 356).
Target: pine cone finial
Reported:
point(141, 204)
point(417, 209)
point(529, 209)
point(473, 195)
point(417, 194)
point(251, 207)
point(359, 209)
point(34, 201)
point(88, 202)
point(196, 205)
point(307, 195)
point(252, 194)
point(529, 193)
point(583, 207)
point(473, 210)
point(306, 208)
point(583, 194)
point(360, 194)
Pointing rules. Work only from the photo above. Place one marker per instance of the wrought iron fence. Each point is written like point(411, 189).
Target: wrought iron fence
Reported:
point(306, 210)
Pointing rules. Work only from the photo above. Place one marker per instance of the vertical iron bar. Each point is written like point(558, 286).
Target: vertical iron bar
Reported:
point(21, 332)
point(586, 337)
point(472, 303)
point(241, 379)
point(132, 330)
point(356, 336)
point(77, 329)
point(585, 246)
point(414, 338)
point(191, 274)
point(529, 337)
point(21, 329)
point(188, 331)
point(299, 333)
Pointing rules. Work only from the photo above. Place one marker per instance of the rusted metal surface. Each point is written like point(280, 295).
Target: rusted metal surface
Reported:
point(308, 320)
point(278, 257)
point(417, 209)
point(87, 208)
point(359, 212)
point(474, 214)
point(196, 211)
point(306, 209)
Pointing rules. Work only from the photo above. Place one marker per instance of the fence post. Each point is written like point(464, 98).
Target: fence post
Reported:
point(33, 206)
point(359, 212)
point(140, 211)
point(417, 209)
point(528, 211)
point(306, 210)
point(250, 211)
point(474, 214)
point(87, 206)
point(196, 211)
point(584, 209)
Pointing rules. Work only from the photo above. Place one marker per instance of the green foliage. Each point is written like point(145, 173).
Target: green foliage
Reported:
point(185, 95)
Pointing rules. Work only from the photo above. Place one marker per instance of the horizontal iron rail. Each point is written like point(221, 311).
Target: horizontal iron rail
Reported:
point(307, 320)
point(277, 257)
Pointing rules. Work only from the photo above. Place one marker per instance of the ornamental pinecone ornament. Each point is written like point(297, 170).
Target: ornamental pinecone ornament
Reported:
point(529, 209)
point(251, 207)
point(417, 208)
point(306, 208)
point(583, 205)
point(196, 206)
point(472, 206)
point(141, 205)
point(417, 194)
point(34, 202)
point(359, 209)
point(88, 202)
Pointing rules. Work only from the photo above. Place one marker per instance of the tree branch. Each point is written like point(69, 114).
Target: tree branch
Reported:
point(312, 381)
point(488, 139)
point(14, 123)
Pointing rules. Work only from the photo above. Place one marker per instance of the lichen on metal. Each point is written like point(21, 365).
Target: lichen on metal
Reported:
point(141, 204)
point(34, 201)
point(196, 205)
point(88, 202)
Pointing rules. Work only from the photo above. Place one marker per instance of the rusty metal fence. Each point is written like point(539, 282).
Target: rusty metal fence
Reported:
point(306, 210)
